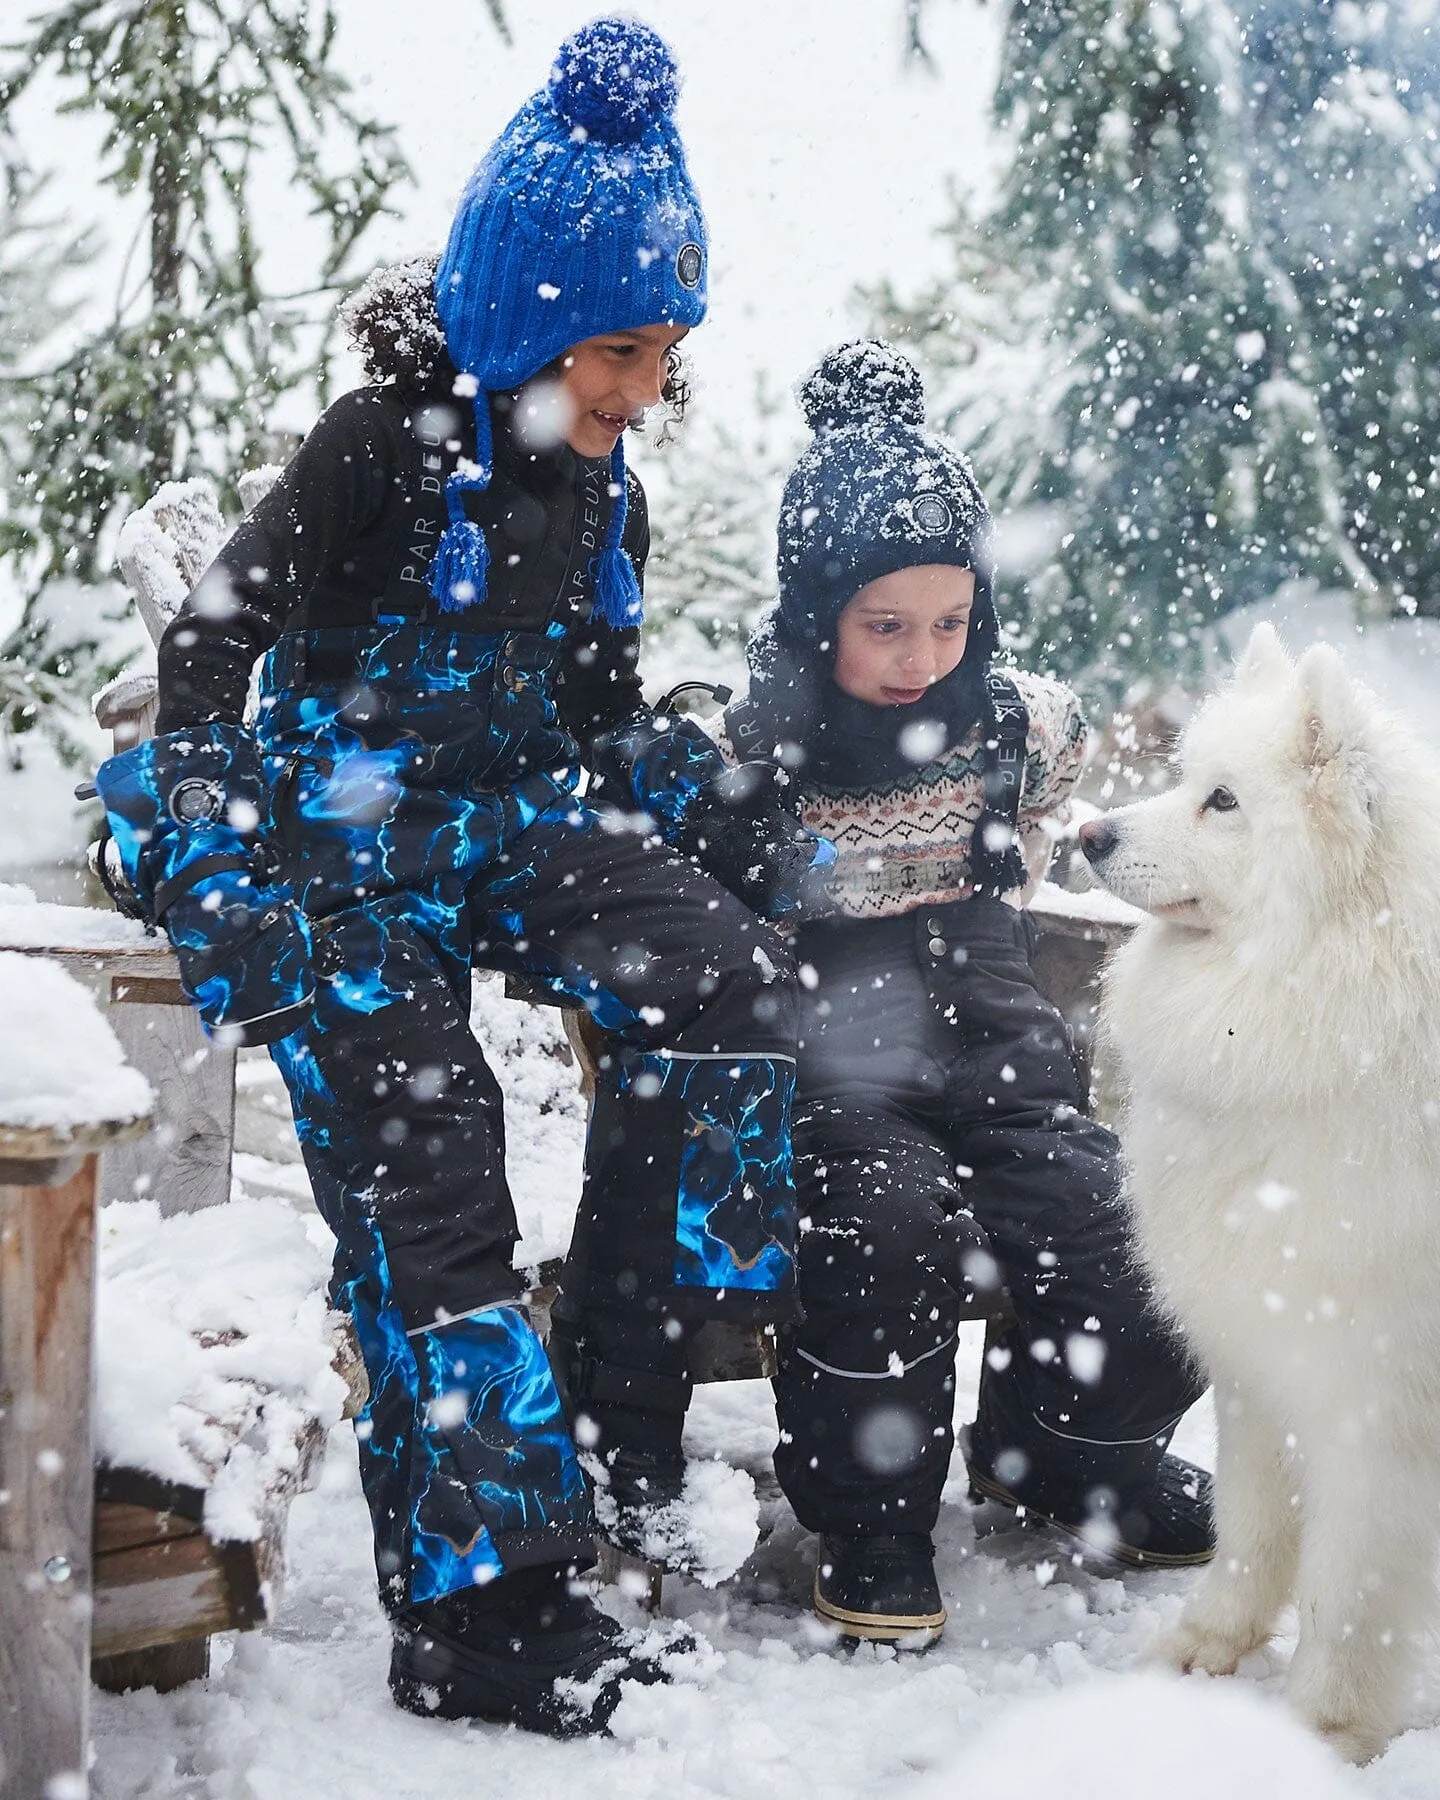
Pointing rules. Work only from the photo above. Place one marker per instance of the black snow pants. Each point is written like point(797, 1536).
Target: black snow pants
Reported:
point(938, 1090)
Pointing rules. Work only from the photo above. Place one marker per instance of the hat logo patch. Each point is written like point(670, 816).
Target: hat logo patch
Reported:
point(689, 262)
point(932, 514)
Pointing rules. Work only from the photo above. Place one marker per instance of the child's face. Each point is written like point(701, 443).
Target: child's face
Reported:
point(607, 383)
point(904, 632)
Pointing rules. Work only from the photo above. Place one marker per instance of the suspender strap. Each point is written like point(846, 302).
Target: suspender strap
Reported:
point(435, 450)
point(995, 859)
point(168, 892)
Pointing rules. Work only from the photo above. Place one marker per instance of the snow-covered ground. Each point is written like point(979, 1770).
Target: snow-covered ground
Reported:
point(1037, 1686)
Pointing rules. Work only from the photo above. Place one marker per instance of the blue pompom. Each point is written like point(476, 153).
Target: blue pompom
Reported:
point(460, 566)
point(612, 78)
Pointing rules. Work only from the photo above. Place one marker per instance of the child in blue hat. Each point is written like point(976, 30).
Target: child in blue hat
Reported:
point(445, 586)
point(938, 1089)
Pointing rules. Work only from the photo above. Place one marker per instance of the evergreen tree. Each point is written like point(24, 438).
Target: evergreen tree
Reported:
point(1145, 356)
point(1346, 104)
point(37, 253)
point(715, 497)
point(193, 94)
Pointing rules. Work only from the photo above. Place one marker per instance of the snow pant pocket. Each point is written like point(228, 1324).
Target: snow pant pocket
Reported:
point(693, 1153)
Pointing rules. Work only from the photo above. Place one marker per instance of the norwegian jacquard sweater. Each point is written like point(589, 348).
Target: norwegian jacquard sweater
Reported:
point(908, 844)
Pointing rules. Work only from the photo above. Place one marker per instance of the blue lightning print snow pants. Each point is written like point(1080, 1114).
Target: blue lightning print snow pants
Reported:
point(688, 1203)
point(424, 812)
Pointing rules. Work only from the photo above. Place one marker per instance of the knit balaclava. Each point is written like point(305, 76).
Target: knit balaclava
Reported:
point(580, 219)
point(874, 492)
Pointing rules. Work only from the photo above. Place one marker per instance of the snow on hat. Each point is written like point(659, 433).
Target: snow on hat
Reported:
point(580, 219)
point(875, 492)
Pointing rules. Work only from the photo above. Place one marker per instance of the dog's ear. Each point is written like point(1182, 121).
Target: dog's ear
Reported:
point(1264, 656)
point(1333, 738)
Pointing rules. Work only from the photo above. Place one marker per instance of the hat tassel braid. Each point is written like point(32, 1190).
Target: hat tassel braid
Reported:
point(461, 563)
point(617, 590)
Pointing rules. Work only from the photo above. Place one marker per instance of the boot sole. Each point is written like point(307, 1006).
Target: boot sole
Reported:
point(983, 1488)
point(880, 1628)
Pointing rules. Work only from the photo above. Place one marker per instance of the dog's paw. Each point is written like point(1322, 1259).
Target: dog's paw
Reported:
point(1347, 1700)
point(1198, 1644)
point(1355, 1740)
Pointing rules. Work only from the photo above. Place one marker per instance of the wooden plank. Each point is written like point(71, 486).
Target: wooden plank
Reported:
point(188, 1587)
point(148, 990)
point(127, 706)
point(159, 1579)
point(164, 1668)
point(159, 1594)
point(723, 1352)
point(122, 1527)
point(47, 1271)
point(184, 1163)
point(131, 725)
point(32, 1144)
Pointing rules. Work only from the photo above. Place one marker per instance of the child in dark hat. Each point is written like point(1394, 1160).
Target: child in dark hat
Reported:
point(938, 1090)
point(445, 588)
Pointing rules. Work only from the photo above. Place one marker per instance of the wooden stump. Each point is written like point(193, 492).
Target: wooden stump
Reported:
point(47, 1304)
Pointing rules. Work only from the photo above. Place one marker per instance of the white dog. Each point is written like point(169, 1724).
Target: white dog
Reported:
point(1277, 1021)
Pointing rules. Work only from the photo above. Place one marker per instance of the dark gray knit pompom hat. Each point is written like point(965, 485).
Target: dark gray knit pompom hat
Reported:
point(876, 492)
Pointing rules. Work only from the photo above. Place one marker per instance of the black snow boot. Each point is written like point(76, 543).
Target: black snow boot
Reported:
point(526, 1651)
point(627, 1389)
point(882, 1589)
point(1169, 1524)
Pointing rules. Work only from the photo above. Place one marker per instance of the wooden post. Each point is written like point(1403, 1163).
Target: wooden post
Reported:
point(47, 1306)
point(185, 1163)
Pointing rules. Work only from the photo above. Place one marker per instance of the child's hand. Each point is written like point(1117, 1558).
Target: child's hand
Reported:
point(742, 835)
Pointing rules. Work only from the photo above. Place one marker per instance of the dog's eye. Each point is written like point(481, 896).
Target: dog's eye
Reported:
point(1220, 800)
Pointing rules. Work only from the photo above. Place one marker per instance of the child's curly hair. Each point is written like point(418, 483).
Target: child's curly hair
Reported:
point(391, 320)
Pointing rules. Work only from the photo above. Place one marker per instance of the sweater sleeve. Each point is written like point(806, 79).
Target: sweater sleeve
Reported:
point(335, 486)
point(1055, 744)
point(1054, 757)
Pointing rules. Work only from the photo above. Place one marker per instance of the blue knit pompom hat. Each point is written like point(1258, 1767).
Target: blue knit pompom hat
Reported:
point(580, 220)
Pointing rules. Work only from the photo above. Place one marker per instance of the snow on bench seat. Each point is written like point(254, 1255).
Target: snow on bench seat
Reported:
point(62, 1071)
point(1058, 909)
point(216, 1388)
point(185, 1163)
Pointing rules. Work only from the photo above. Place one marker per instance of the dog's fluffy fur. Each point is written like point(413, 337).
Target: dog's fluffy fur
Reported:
point(1277, 1023)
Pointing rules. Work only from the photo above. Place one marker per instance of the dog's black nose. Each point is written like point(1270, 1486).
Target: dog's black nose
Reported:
point(1098, 837)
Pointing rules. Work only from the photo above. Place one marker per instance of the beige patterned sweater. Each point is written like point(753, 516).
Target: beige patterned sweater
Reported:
point(908, 844)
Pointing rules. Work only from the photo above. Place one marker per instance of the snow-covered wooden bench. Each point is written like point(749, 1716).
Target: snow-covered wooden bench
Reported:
point(217, 1368)
point(65, 1094)
point(217, 1386)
